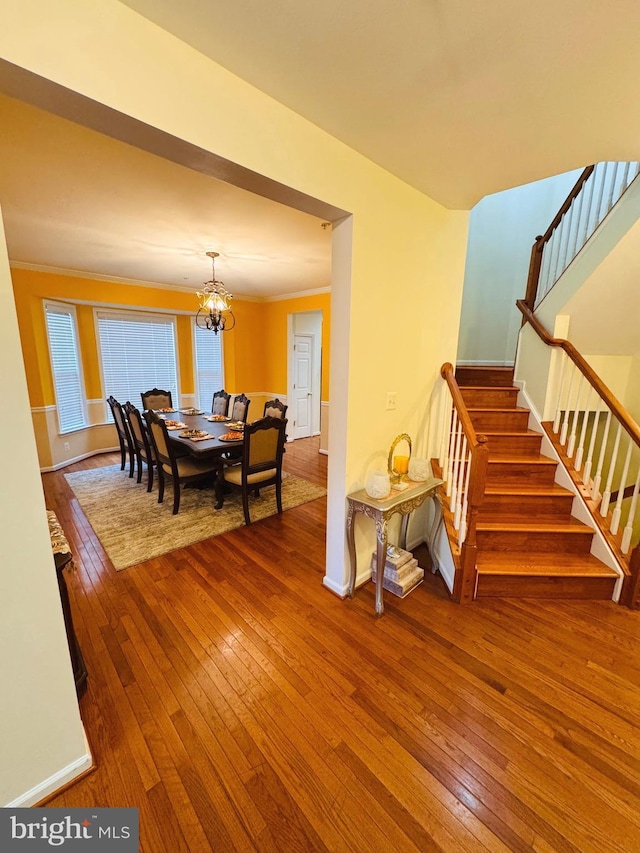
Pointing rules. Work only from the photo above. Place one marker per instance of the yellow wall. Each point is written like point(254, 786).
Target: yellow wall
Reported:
point(255, 351)
point(162, 82)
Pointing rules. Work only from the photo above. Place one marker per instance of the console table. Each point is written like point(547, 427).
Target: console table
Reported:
point(397, 503)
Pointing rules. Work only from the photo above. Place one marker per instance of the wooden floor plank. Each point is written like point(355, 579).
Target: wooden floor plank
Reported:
point(242, 706)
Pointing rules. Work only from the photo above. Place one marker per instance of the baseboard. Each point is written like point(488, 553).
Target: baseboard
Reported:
point(54, 783)
point(324, 452)
point(337, 589)
point(59, 465)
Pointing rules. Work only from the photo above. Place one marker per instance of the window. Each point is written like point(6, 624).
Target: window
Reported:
point(138, 352)
point(65, 363)
point(209, 375)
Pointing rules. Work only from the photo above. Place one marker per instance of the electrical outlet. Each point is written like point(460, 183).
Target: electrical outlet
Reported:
point(392, 402)
point(67, 446)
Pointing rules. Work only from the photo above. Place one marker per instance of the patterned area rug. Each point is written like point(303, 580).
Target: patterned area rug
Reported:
point(133, 527)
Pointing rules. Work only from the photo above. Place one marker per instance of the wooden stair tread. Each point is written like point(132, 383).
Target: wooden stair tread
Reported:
point(501, 433)
point(488, 387)
point(522, 460)
point(572, 526)
point(522, 563)
point(507, 409)
point(515, 491)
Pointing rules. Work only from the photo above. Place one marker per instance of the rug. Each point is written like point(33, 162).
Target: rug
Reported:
point(133, 527)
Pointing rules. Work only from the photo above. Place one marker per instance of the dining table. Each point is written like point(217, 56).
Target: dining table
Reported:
point(205, 448)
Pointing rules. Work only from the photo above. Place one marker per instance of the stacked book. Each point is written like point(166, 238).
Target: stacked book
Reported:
point(401, 572)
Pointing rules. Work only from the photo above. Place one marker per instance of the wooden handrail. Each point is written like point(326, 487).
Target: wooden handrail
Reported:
point(557, 219)
point(464, 582)
point(623, 416)
point(537, 249)
point(448, 374)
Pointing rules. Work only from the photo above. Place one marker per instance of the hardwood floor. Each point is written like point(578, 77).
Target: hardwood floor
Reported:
point(242, 706)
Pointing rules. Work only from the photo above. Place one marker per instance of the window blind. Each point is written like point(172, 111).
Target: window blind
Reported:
point(209, 374)
point(138, 353)
point(65, 363)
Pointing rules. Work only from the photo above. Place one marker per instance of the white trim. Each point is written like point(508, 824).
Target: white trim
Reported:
point(298, 294)
point(67, 462)
point(40, 409)
point(324, 452)
point(483, 363)
point(133, 282)
point(53, 783)
point(324, 402)
point(339, 589)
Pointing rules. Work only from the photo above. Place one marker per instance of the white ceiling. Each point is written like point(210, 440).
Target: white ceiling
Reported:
point(457, 97)
point(74, 199)
point(460, 98)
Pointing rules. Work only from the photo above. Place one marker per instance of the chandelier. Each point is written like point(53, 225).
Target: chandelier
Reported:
point(214, 313)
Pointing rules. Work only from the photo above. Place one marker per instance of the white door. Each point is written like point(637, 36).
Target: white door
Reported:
point(302, 392)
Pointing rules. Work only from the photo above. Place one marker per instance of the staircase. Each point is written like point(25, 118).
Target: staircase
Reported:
point(529, 545)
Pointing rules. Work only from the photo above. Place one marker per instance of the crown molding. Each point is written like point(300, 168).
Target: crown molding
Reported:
point(132, 282)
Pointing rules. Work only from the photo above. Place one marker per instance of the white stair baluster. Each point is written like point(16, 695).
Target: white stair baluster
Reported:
point(565, 422)
point(617, 512)
point(626, 536)
point(452, 441)
point(574, 421)
point(586, 474)
point(587, 408)
point(589, 206)
point(606, 495)
point(456, 464)
point(563, 373)
point(463, 525)
point(595, 491)
point(445, 426)
point(600, 196)
point(461, 472)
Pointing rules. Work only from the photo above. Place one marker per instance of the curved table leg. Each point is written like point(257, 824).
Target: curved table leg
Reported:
point(381, 559)
point(352, 552)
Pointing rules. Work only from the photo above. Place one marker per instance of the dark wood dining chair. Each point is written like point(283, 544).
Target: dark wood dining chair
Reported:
point(141, 445)
point(156, 398)
point(261, 463)
point(220, 403)
point(275, 409)
point(124, 436)
point(240, 408)
point(181, 469)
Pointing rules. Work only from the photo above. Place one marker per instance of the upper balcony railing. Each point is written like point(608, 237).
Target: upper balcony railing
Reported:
point(596, 191)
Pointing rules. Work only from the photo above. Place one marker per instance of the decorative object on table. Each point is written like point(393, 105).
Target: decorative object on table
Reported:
point(214, 313)
point(398, 463)
point(378, 485)
point(402, 574)
point(191, 411)
point(419, 469)
point(133, 527)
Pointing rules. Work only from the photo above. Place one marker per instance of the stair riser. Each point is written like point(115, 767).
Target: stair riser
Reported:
point(490, 398)
point(499, 421)
point(528, 507)
point(484, 376)
point(534, 541)
point(514, 445)
point(521, 474)
point(491, 586)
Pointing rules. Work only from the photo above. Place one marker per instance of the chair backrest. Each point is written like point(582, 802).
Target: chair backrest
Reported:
point(156, 398)
point(240, 408)
point(138, 432)
point(220, 403)
point(119, 419)
point(263, 445)
point(275, 409)
point(160, 440)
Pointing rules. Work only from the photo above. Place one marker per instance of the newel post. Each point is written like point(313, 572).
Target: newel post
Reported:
point(630, 595)
point(464, 585)
point(534, 272)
